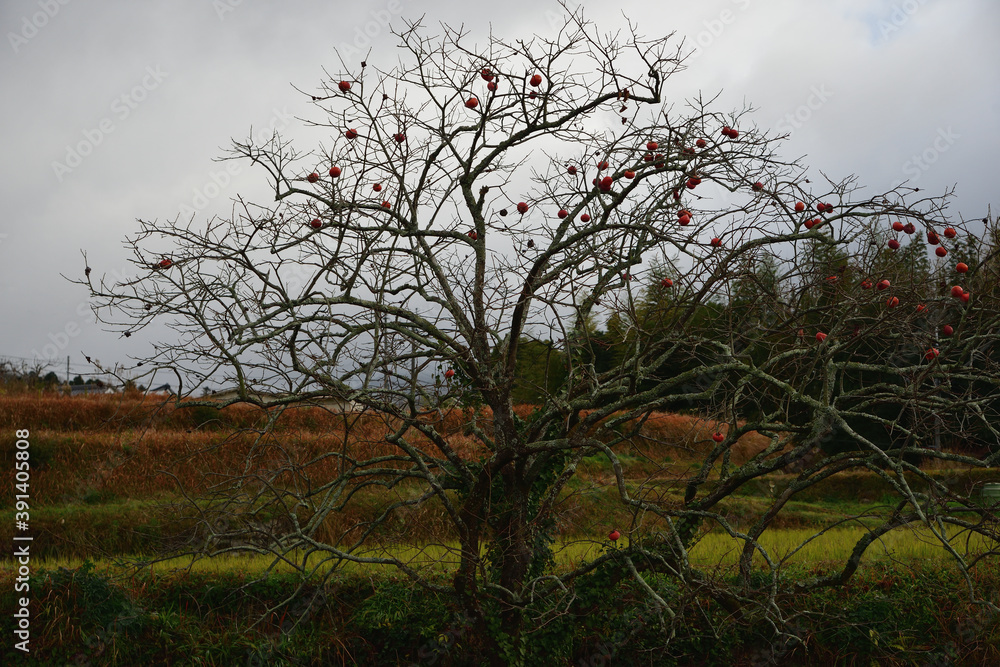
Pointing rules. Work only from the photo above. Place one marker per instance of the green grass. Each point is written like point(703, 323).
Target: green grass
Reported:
point(804, 547)
point(714, 549)
point(835, 546)
point(892, 613)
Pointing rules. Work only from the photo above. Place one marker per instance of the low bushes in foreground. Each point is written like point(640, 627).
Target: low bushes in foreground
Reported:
point(888, 614)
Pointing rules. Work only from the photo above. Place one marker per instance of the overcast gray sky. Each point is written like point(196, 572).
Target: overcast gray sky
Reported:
point(114, 111)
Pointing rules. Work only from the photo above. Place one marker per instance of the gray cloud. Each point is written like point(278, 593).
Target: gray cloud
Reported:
point(863, 87)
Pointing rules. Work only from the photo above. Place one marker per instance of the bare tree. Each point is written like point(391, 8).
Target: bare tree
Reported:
point(472, 201)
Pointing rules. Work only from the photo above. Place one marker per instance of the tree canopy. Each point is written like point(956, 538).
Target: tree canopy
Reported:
point(543, 222)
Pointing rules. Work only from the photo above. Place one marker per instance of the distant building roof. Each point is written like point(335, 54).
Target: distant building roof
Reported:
point(79, 389)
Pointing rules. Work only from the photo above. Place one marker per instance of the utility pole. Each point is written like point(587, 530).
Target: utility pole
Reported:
point(67, 370)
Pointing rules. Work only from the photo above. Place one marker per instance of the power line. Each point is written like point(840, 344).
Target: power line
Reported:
point(42, 360)
point(56, 366)
point(10, 356)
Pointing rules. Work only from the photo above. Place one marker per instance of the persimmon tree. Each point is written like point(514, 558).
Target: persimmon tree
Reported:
point(468, 220)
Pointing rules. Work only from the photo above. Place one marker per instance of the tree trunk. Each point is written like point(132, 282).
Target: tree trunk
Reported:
point(514, 542)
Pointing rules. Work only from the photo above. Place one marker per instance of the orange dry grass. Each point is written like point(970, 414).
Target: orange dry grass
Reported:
point(145, 446)
point(125, 451)
point(135, 411)
point(687, 437)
